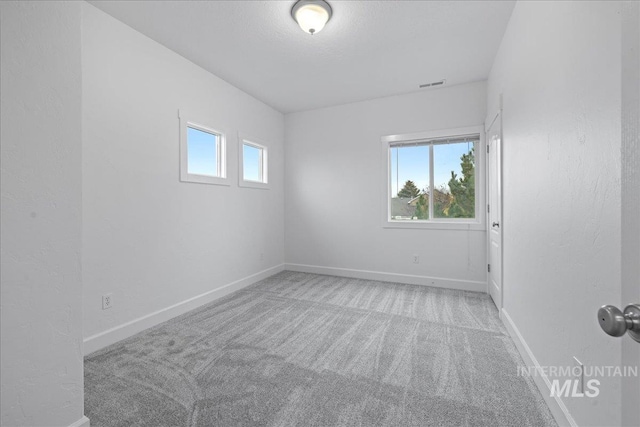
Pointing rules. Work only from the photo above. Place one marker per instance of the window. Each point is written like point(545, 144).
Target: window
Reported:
point(253, 164)
point(433, 180)
point(202, 153)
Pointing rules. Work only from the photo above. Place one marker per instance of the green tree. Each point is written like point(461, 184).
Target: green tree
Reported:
point(409, 191)
point(463, 189)
point(441, 202)
point(422, 207)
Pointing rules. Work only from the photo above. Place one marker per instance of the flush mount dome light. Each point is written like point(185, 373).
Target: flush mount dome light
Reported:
point(311, 15)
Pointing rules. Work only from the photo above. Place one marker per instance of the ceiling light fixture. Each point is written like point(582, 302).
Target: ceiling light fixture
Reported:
point(311, 15)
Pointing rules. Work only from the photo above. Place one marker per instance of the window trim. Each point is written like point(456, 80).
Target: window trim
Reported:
point(264, 162)
point(187, 121)
point(478, 223)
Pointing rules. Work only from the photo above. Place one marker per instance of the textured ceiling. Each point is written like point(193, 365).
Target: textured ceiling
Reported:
point(369, 49)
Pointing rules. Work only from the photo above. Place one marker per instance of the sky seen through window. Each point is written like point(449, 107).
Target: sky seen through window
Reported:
point(412, 163)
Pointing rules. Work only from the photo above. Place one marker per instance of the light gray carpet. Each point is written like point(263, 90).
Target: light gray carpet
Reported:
point(302, 349)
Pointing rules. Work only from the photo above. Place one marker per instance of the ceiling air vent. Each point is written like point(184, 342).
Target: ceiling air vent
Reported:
point(440, 83)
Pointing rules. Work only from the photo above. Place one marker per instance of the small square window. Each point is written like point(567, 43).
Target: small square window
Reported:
point(252, 157)
point(202, 154)
point(253, 164)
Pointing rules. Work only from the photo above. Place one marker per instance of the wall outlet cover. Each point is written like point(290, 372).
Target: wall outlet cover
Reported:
point(107, 301)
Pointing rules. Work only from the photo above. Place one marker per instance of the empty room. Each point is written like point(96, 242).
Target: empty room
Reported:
point(320, 213)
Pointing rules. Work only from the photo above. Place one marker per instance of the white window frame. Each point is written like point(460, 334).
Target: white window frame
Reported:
point(187, 121)
point(477, 223)
point(264, 162)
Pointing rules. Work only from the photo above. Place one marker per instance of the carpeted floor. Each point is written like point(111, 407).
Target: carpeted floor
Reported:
point(302, 349)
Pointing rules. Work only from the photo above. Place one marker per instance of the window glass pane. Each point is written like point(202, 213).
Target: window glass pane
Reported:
point(454, 193)
point(409, 178)
point(202, 152)
point(252, 163)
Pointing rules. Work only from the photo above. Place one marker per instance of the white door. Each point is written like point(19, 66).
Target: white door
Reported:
point(494, 140)
point(630, 286)
point(630, 354)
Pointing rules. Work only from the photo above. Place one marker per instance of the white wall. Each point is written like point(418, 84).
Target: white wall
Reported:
point(42, 370)
point(558, 69)
point(149, 239)
point(334, 191)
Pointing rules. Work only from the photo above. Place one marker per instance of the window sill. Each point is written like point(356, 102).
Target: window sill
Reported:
point(435, 225)
point(254, 184)
point(204, 179)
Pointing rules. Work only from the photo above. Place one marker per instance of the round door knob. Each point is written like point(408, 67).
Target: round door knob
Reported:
point(612, 321)
point(632, 316)
point(495, 224)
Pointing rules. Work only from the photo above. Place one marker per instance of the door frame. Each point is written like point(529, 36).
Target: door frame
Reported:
point(630, 202)
point(497, 121)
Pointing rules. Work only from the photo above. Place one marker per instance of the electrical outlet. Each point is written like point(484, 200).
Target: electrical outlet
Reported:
point(107, 301)
point(261, 256)
point(580, 376)
point(416, 259)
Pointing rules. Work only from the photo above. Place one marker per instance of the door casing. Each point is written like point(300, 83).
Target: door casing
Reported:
point(494, 207)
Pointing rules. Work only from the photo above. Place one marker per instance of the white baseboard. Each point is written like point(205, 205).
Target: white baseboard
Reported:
point(437, 282)
point(113, 335)
point(556, 405)
point(82, 422)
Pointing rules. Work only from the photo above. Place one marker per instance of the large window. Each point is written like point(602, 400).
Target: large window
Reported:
point(202, 153)
point(433, 179)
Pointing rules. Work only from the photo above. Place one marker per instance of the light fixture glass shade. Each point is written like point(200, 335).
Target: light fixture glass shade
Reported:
point(311, 15)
